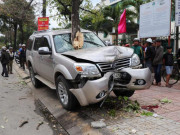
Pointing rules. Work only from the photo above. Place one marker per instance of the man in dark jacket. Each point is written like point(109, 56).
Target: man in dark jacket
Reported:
point(23, 55)
point(149, 54)
point(158, 61)
point(4, 61)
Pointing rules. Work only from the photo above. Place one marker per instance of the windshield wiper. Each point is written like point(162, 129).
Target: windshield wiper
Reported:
point(94, 43)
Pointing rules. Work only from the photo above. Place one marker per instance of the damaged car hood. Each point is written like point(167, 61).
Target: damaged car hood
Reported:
point(101, 54)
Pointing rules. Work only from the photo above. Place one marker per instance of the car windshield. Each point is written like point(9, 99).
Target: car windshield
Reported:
point(63, 42)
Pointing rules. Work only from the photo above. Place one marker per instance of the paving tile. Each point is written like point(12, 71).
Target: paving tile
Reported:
point(161, 110)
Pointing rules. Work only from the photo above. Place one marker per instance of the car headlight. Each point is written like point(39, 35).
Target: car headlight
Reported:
point(135, 61)
point(87, 70)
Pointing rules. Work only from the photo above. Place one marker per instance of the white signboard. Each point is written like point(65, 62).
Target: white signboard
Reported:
point(177, 14)
point(155, 19)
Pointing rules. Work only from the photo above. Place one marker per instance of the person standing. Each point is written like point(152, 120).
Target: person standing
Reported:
point(11, 58)
point(178, 57)
point(20, 59)
point(149, 54)
point(158, 61)
point(138, 50)
point(168, 62)
point(23, 56)
point(4, 61)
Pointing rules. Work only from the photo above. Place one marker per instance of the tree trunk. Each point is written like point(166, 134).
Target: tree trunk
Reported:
point(22, 33)
point(75, 18)
point(177, 38)
point(15, 35)
point(116, 36)
point(44, 8)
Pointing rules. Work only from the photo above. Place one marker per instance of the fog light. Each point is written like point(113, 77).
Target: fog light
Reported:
point(101, 94)
point(140, 82)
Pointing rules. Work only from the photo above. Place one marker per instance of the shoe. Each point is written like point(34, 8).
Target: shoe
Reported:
point(6, 76)
point(168, 85)
point(159, 84)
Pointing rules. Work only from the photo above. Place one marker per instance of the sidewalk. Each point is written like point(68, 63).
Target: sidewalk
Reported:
point(153, 96)
point(17, 109)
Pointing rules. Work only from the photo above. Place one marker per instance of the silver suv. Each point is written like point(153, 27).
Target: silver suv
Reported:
point(87, 75)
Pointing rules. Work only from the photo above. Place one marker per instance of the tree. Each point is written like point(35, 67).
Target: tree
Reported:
point(17, 13)
point(113, 14)
point(69, 9)
point(136, 4)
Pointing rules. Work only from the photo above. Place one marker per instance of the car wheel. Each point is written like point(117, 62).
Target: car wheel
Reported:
point(66, 98)
point(127, 93)
point(34, 81)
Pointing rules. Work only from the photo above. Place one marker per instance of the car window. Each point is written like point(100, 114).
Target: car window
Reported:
point(46, 42)
point(37, 43)
point(30, 43)
point(63, 42)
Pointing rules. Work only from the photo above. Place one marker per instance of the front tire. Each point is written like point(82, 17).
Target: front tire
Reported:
point(66, 98)
point(34, 81)
point(127, 93)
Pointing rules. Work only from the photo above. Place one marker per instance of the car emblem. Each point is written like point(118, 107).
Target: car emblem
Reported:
point(113, 65)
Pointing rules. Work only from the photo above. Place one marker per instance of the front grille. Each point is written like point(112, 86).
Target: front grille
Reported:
point(120, 63)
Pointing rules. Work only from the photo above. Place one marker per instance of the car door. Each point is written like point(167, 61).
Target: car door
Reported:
point(46, 61)
point(35, 55)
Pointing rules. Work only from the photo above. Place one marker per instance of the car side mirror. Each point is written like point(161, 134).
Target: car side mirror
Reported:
point(44, 51)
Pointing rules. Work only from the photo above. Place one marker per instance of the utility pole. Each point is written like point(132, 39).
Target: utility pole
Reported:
point(44, 8)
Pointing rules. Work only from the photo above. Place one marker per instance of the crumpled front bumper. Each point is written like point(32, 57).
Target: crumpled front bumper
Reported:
point(88, 94)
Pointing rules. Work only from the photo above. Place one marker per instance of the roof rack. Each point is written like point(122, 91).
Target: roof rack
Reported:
point(42, 31)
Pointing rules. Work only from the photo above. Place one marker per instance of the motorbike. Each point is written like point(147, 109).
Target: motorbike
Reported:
point(17, 59)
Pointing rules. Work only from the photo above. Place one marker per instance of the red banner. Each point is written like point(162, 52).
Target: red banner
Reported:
point(43, 23)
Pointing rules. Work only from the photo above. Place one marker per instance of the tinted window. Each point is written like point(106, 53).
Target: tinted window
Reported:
point(37, 43)
point(30, 43)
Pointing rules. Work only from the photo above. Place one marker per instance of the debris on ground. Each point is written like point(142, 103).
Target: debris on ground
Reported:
point(6, 119)
point(40, 123)
point(155, 115)
point(98, 124)
point(145, 113)
point(150, 107)
point(2, 127)
point(133, 131)
point(23, 123)
point(165, 100)
point(22, 98)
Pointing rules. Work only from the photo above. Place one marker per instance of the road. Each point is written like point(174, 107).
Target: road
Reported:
point(17, 107)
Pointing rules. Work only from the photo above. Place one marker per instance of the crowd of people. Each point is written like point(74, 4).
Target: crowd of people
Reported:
point(152, 56)
point(7, 57)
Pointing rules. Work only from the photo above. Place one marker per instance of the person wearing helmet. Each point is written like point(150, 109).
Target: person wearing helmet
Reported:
point(23, 56)
point(138, 49)
point(149, 54)
point(4, 61)
point(11, 58)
